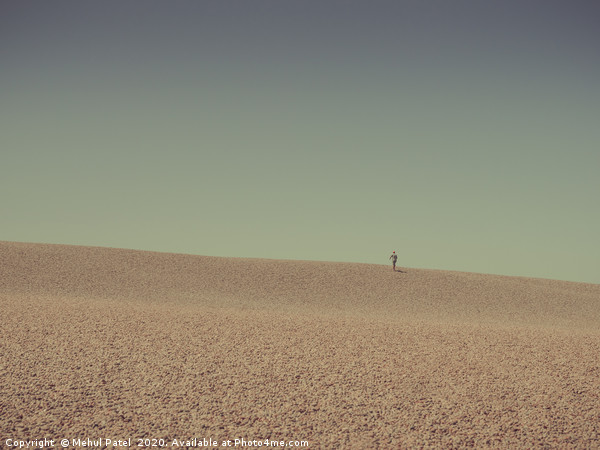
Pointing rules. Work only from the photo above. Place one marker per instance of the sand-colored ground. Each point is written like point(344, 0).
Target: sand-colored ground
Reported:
point(106, 343)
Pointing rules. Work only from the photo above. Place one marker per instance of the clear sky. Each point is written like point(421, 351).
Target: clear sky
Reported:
point(464, 135)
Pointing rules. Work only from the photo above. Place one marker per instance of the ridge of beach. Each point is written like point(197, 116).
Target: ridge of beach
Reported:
point(101, 342)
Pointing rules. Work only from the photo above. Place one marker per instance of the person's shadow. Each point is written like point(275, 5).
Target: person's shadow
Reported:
point(400, 271)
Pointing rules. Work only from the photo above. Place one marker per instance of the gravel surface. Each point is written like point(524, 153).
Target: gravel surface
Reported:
point(101, 343)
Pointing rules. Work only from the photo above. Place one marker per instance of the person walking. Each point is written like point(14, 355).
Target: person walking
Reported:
point(394, 258)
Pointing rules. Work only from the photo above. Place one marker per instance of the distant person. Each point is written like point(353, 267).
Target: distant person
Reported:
point(394, 258)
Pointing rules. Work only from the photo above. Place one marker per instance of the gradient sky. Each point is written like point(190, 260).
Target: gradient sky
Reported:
point(464, 135)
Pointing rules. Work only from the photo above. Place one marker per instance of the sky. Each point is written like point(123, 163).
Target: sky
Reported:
point(464, 135)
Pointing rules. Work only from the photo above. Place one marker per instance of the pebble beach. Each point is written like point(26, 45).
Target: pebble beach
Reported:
point(132, 347)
